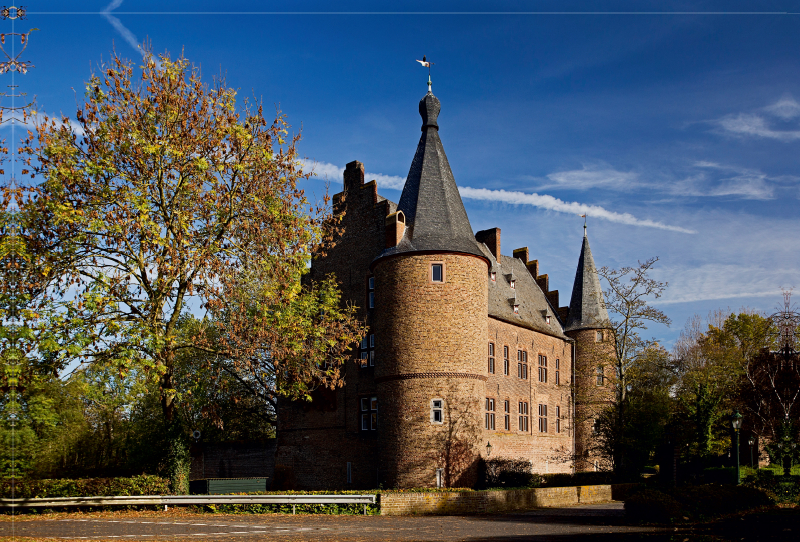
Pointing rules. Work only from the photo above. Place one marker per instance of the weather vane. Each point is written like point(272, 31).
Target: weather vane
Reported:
point(428, 65)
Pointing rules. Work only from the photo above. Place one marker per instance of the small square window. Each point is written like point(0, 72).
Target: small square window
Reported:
point(437, 272)
point(437, 412)
point(599, 336)
point(512, 283)
point(493, 276)
point(516, 309)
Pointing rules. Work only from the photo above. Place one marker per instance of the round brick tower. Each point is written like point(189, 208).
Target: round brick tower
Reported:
point(430, 327)
point(588, 324)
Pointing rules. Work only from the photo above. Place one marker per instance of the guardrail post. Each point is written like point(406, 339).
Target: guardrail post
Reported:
point(293, 509)
point(365, 509)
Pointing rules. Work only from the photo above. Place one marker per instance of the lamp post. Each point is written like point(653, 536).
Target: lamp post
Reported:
point(750, 442)
point(736, 423)
point(488, 448)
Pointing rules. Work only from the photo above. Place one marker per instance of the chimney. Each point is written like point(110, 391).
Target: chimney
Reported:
point(522, 254)
point(491, 238)
point(543, 282)
point(395, 228)
point(353, 175)
point(533, 268)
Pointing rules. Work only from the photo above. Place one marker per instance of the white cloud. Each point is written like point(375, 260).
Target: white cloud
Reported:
point(592, 177)
point(711, 282)
point(786, 108)
point(332, 172)
point(126, 34)
point(759, 125)
point(554, 204)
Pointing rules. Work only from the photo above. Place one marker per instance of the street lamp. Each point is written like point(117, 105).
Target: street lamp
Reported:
point(750, 442)
point(736, 423)
point(488, 448)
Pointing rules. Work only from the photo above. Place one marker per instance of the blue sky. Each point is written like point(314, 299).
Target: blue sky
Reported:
point(678, 132)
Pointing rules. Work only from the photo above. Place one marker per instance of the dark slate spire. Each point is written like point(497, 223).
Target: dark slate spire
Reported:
point(435, 216)
point(586, 308)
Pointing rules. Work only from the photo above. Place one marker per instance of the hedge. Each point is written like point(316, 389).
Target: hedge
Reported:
point(87, 487)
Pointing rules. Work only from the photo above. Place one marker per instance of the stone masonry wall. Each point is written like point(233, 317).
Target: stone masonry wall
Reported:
point(591, 398)
point(549, 451)
point(430, 341)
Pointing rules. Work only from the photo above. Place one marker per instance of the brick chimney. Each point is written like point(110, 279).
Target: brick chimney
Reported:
point(492, 240)
point(353, 175)
point(395, 228)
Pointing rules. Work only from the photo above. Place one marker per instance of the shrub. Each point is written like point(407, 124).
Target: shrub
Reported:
point(509, 473)
point(87, 487)
point(577, 479)
point(653, 506)
point(719, 475)
point(710, 500)
point(781, 489)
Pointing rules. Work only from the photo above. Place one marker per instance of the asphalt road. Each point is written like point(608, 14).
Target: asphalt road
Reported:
point(586, 523)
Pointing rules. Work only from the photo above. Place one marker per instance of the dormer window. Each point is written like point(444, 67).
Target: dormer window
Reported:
point(516, 308)
point(493, 276)
point(512, 283)
point(547, 319)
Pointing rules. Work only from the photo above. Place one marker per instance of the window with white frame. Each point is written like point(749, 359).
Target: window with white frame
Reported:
point(437, 411)
point(505, 360)
point(542, 418)
point(368, 351)
point(437, 272)
point(558, 372)
point(522, 409)
point(493, 276)
point(507, 415)
point(600, 375)
point(369, 413)
point(599, 336)
point(542, 368)
point(371, 292)
point(491, 358)
point(558, 419)
point(522, 364)
point(489, 414)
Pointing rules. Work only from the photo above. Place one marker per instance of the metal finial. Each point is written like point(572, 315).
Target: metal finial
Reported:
point(429, 83)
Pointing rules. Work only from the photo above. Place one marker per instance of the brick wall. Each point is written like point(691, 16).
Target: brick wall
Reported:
point(480, 502)
point(549, 451)
point(430, 343)
point(590, 398)
point(233, 460)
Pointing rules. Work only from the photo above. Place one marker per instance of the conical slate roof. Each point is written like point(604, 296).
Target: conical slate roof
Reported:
point(435, 216)
point(586, 307)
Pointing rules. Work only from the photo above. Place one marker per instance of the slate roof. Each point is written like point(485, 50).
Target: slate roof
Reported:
point(534, 306)
point(435, 216)
point(586, 307)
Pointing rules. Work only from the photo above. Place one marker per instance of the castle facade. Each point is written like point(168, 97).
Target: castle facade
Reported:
point(468, 356)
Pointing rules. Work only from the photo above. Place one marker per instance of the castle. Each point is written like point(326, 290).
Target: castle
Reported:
point(468, 355)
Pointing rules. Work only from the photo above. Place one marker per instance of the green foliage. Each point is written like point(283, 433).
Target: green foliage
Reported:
point(328, 509)
point(89, 487)
point(781, 489)
point(178, 465)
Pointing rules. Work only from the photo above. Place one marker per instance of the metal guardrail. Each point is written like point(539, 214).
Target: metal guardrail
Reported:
point(167, 500)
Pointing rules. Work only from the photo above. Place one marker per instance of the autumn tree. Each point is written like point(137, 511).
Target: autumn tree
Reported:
point(165, 196)
point(628, 297)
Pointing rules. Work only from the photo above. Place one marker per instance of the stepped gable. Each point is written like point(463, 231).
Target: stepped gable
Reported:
point(533, 304)
point(586, 307)
point(436, 220)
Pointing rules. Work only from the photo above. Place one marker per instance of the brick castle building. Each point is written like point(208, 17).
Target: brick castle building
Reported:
point(468, 354)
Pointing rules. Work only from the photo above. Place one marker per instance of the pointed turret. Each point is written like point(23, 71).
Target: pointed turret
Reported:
point(435, 216)
point(586, 307)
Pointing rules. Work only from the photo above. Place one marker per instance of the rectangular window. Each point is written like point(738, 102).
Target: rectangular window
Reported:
point(558, 374)
point(491, 358)
point(507, 416)
point(437, 411)
point(505, 360)
point(371, 292)
point(542, 368)
point(368, 351)
point(512, 283)
point(493, 276)
point(369, 413)
point(543, 418)
point(522, 364)
point(523, 416)
point(558, 419)
point(599, 337)
point(490, 414)
point(600, 375)
point(437, 272)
